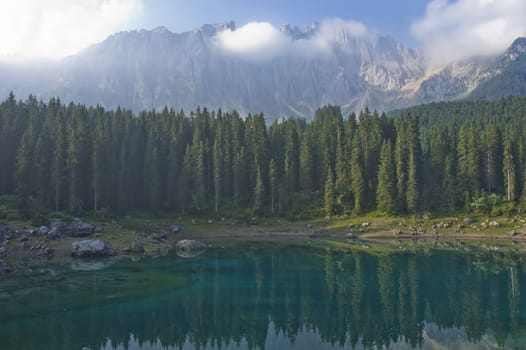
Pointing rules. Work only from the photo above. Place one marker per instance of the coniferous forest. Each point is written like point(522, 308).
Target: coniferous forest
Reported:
point(467, 155)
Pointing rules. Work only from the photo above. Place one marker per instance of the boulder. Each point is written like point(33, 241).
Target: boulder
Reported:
point(468, 221)
point(161, 236)
point(92, 248)
point(58, 228)
point(31, 232)
point(136, 247)
point(175, 229)
point(76, 228)
point(3, 229)
point(48, 252)
point(427, 216)
point(494, 224)
point(54, 233)
point(44, 230)
point(190, 245)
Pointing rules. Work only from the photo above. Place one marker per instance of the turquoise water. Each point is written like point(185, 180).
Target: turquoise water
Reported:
point(262, 298)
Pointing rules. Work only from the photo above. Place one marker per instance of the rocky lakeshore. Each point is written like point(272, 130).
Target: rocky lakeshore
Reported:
point(23, 244)
point(22, 247)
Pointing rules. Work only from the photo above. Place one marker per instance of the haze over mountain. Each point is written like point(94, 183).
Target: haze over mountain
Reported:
point(289, 72)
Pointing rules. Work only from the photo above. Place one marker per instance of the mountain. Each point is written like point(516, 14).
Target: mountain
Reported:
point(150, 69)
point(508, 76)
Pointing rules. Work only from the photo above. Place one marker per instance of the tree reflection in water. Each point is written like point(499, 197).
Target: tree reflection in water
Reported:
point(274, 299)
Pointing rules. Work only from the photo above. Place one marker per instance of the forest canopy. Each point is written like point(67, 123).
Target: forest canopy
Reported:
point(467, 155)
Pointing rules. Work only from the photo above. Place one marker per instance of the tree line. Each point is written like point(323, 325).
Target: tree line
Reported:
point(441, 156)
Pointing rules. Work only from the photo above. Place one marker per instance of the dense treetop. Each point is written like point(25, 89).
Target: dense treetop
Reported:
point(441, 156)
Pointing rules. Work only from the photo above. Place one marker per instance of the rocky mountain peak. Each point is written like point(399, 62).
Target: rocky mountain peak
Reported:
point(161, 30)
point(213, 29)
point(149, 69)
point(516, 49)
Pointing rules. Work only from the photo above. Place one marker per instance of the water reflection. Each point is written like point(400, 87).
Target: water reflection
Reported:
point(274, 299)
point(434, 337)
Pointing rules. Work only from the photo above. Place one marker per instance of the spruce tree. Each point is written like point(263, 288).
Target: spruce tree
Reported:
point(258, 192)
point(329, 193)
point(273, 183)
point(358, 187)
point(386, 191)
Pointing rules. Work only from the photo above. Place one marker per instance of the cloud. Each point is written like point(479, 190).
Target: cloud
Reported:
point(32, 29)
point(454, 30)
point(261, 41)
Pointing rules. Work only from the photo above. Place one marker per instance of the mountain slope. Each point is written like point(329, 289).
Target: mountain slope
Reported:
point(509, 75)
point(150, 69)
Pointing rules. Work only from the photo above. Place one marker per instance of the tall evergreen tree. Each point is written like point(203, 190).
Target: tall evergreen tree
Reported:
point(329, 194)
point(386, 191)
point(273, 184)
point(358, 187)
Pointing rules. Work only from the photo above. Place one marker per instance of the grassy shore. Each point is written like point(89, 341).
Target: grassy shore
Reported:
point(373, 231)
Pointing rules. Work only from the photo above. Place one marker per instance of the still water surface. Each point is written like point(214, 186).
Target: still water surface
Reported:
point(262, 298)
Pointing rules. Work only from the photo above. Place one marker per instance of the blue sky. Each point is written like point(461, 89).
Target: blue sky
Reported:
point(383, 16)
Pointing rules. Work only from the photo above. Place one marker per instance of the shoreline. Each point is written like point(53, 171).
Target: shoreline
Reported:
point(242, 234)
point(388, 232)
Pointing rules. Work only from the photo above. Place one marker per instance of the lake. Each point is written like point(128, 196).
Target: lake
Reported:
point(257, 297)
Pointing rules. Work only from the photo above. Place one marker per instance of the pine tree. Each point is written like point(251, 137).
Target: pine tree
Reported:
point(401, 171)
point(240, 179)
point(273, 183)
point(491, 157)
point(509, 168)
point(258, 192)
point(358, 187)
point(24, 179)
point(186, 180)
point(413, 171)
point(218, 168)
point(412, 194)
point(329, 194)
point(386, 191)
point(449, 186)
point(307, 162)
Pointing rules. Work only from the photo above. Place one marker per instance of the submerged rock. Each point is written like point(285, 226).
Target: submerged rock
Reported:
point(189, 245)
point(95, 265)
point(92, 248)
point(4, 268)
point(189, 254)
